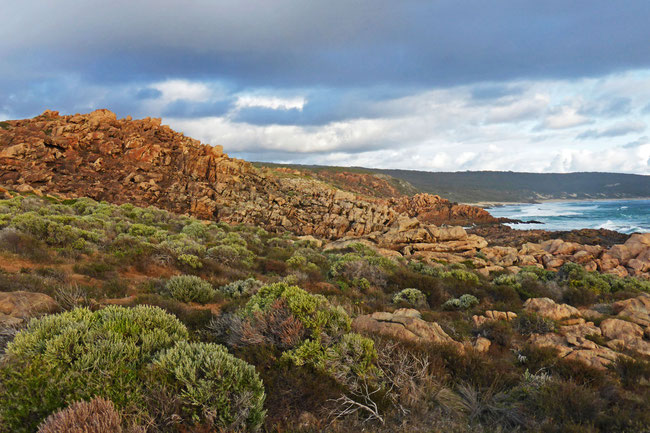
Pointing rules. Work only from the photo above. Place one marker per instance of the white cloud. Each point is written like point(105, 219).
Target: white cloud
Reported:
point(272, 102)
point(566, 117)
point(174, 90)
point(518, 109)
point(441, 129)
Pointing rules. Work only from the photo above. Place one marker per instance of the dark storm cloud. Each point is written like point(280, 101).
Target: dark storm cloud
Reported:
point(148, 93)
point(494, 91)
point(337, 43)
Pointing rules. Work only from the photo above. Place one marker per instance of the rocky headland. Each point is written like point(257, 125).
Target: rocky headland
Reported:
point(146, 163)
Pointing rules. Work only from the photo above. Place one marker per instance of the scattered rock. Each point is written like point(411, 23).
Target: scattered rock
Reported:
point(492, 316)
point(405, 325)
point(546, 307)
point(636, 310)
point(15, 307)
point(482, 345)
point(625, 335)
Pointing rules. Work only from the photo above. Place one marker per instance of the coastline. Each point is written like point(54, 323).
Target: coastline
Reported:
point(489, 204)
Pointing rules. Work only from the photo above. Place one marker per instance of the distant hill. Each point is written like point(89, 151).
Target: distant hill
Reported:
point(507, 186)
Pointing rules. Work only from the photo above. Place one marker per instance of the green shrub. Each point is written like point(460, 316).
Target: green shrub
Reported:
point(212, 388)
point(531, 323)
point(79, 354)
point(190, 260)
point(461, 275)
point(508, 280)
point(425, 269)
point(465, 302)
point(328, 346)
point(190, 288)
point(410, 296)
point(142, 230)
point(232, 255)
point(196, 230)
point(240, 288)
point(313, 311)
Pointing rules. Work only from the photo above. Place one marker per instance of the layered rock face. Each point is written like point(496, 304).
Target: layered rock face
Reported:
point(436, 210)
point(145, 163)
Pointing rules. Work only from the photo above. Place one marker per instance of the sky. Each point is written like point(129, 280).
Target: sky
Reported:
point(439, 85)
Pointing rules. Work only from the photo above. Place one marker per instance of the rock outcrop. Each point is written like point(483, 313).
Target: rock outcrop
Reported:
point(546, 307)
point(493, 316)
point(614, 334)
point(16, 307)
point(146, 163)
point(434, 209)
point(404, 324)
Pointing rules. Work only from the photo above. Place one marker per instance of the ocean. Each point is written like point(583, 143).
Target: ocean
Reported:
point(625, 216)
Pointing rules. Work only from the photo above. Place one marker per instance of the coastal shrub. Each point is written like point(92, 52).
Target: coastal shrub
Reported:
point(142, 230)
point(240, 288)
point(276, 326)
point(410, 296)
point(565, 402)
point(497, 331)
point(95, 416)
point(354, 356)
point(196, 230)
point(425, 269)
point(511, 280)
point(313, 311)
point(190, 260)
point(23, 244)
point(461, 275)
point(327, 344)
point(99, 269)
point(530, 323)
point(633, 372)
point(232, 255)
point(465, 302)
point(352, 266)
point(79, 354)
point(189, 288)
point(210, 387)
point(192, 318)
point(579, 296)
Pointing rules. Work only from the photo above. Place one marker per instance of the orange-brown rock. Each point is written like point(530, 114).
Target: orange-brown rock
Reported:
point(404, 324)
point(625, 335)
point(433, 209)
point(15, 307)
point(636, 310)
point(145, 163)
point(546, 307)
point(571, 343)
point(493, 316)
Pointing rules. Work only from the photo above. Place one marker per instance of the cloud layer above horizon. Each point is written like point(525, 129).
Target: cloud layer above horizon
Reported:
point(446, 85)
